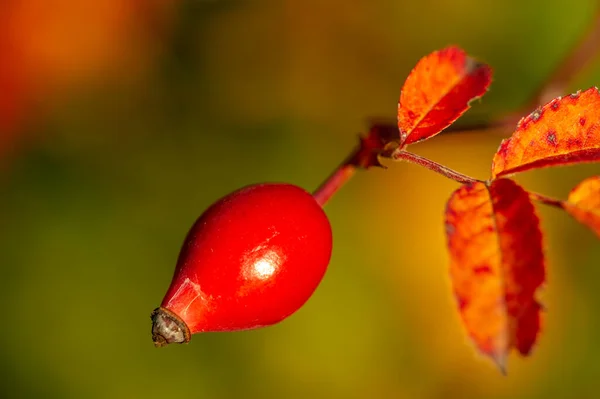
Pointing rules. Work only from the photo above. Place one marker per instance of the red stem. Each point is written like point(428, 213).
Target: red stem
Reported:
point(459, 177)
point(402, 155)
point(333, 183)
point(576, 60)
point(546, 200)
point(346, 170)
point(557, 83)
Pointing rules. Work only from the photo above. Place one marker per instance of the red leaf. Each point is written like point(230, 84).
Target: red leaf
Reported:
point(438, 91)
point(564, 131)
point(496, 266)
point(584, 203)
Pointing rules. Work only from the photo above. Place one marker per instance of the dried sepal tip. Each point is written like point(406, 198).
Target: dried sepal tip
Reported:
point(168, 328)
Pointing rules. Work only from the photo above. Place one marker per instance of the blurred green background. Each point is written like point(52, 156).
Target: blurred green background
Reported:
point(124, 120)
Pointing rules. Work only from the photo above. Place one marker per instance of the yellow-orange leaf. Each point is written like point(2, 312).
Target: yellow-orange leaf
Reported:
point(564, 131)
point(496, 265)
point(438, 91)
point(584, 203)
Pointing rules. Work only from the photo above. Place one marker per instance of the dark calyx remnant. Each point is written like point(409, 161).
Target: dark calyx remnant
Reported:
point(168, 328)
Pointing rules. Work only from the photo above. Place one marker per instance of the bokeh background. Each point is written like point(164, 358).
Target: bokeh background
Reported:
point(121, 120)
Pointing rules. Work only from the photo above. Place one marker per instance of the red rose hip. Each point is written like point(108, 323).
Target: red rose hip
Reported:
point(252, 259)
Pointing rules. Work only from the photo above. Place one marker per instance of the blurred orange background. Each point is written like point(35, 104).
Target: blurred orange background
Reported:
point(122, 120)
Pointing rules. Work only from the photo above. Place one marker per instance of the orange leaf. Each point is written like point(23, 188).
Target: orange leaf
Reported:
point(584, 203)
point(564, 131)
point(438, 91)
point(496, 265)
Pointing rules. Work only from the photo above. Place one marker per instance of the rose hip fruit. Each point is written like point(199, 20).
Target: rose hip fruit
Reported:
point(252, 259)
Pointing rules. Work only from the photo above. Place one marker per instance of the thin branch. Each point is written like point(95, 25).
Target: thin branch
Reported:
point(454, 128)
point(333, 183)
point(547, 200)
point(557, 83)
point(576, 60)
point(403, 155)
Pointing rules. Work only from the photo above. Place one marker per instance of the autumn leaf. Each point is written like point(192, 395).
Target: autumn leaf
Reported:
point(564, 131)
point(438, 91)
point(496, 266)
point(584, 203)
